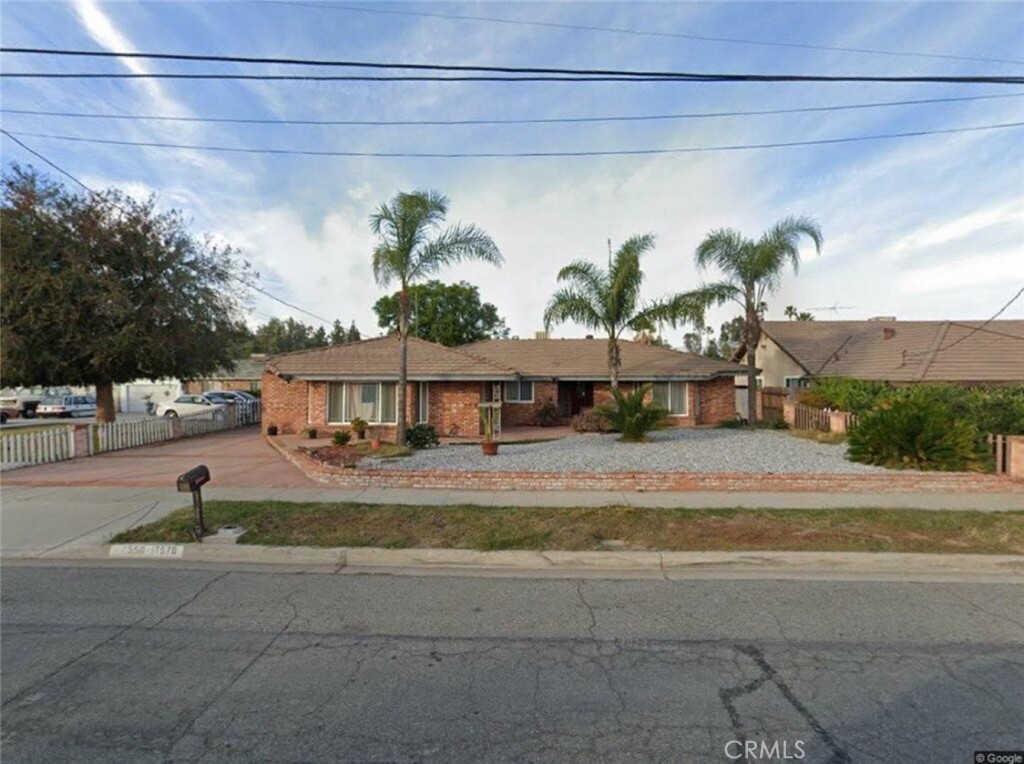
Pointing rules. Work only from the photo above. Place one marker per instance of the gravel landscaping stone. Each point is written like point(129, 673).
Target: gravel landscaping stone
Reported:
point(676, 450)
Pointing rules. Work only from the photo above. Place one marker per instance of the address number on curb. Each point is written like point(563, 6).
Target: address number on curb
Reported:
point(148, 550)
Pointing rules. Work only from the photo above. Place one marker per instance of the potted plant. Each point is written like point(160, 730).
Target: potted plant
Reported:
point(489, 414)
point(309, 433)
point(272, 429)
point(358, 426)
point(374, 441)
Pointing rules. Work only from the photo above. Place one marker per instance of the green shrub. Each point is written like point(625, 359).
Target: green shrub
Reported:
point(358, 425)
point(632, 416)
point(546, 414)
point(590, 420)
point(855, 395)
point(913, 432)
point(341, 437)
point(731, 424)
point(422, 436)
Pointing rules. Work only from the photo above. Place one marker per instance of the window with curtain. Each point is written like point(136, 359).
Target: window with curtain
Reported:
point(376, 402)
point(520, 391)
point(423, 402)
point(672, 396)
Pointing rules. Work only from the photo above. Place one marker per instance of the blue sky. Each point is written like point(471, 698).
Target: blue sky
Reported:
point(928, 227)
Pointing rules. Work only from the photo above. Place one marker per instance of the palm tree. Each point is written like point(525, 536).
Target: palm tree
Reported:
point(609, 301)
point(410, 248)
point(753, 269)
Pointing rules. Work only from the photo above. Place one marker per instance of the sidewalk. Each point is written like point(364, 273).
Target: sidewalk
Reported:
point(54, 520)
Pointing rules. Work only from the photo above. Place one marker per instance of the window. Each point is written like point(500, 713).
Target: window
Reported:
point(796, 382)
point(672, 396)
point(255, 385)
point(520, 391)
point(423, 402)
point(376, 402)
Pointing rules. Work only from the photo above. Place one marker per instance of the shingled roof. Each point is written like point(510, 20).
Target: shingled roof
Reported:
point(905, 351)
point(378, 359)
point(587, 359)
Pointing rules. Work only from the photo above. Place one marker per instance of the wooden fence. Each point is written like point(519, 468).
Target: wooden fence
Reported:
point(129, 434)
point(24, 449)
point(808, 418)
point(1000, 453)
point(29, 447)
point(772, 399)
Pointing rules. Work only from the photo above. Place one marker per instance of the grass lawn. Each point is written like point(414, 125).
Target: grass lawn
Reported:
point(488, 528)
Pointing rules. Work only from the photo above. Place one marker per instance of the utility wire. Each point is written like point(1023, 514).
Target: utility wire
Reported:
point(985, 323)
point(67, 174)
point(511, 154)
point(942, 79)
point(648, 33)
point(514, 121)
point(532, 74)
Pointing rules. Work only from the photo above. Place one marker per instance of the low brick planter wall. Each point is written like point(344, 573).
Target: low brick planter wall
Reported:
point(467, 480)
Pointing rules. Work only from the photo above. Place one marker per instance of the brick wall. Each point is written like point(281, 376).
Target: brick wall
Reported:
point(522, 414)
point(716, 400)
point(284, 403)
point(195, 386)
point(453, 408)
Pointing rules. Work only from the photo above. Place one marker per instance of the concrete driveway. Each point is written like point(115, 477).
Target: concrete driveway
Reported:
point(236, 458)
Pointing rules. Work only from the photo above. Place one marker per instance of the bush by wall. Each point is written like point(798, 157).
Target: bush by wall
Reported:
point(422, 436)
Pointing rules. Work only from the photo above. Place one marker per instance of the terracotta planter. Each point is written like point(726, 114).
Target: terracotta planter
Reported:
point(490, 447)
point(375, 444)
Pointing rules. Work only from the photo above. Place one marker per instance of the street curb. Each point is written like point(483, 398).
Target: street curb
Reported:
point(660, 564)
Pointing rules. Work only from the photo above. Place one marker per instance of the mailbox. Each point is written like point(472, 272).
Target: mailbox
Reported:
point(193, 482)
point(194, 479)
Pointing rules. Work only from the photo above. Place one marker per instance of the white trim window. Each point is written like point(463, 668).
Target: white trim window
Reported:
point(673, 396)
point(376, 402)
point(423, 403)
point(520, 391)
point(796, 382)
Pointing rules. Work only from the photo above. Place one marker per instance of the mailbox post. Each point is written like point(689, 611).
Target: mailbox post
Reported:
point(193, 482)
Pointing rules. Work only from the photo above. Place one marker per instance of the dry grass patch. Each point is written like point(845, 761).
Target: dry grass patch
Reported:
point(489, 528)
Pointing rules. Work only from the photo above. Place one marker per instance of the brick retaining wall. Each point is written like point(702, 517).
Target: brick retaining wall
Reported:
point(894, 482)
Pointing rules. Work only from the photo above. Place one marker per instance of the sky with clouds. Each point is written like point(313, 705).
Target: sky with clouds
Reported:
point(924, 227)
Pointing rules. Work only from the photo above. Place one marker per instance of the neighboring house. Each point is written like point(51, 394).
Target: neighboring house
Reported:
point(247, 376)
point(327, 387)
point(794, 353)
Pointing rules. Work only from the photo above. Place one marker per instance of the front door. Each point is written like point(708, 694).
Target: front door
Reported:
point(573, 397)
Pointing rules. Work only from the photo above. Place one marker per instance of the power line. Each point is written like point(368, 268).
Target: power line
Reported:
point(532, 74)
point(651, 33)
point(67, 174)
point(514, 121)
point(514, 154)
point(943, 79)
point(985, 323)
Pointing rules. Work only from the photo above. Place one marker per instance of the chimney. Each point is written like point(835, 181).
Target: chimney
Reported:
point(590, 336)
point(888, 333)
point(541, 336)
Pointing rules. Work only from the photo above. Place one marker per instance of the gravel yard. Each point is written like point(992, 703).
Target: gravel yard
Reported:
point(676, 450)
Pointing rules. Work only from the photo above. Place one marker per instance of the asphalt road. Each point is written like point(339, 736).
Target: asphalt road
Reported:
point(143, 664)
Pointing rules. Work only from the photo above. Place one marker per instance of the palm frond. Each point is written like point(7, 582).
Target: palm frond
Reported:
point(454, 245)
point(568, 304)
point(723, 248)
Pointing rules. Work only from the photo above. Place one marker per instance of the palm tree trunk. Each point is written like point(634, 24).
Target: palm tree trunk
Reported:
point(403, 368)
point(750, 337)
point(614, 362)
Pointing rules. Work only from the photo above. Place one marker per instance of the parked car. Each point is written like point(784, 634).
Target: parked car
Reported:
point(67, 406)
point(8, 412)
point(226, 396)
point(25, 400)
point(190, 404)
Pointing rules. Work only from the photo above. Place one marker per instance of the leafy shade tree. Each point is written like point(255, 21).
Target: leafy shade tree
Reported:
point(609, 301)
point(450, 314)
point(753, 269)
point(411, 246)
point(100, 288)
point(288, 335)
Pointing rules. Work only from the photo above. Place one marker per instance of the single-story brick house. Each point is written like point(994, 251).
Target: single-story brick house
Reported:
point(326, 387)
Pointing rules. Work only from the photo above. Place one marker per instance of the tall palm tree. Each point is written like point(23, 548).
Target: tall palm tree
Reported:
point(609, 301)
point(753, 269)
point(411, 247)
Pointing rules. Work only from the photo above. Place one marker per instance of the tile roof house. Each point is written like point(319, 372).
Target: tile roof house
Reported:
point(327, 387)
point(247, 374)
point(792, 353)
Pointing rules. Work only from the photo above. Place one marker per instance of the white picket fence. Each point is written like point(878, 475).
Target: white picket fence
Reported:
point(30, 447)
point(25, 449)
point(119, 435)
